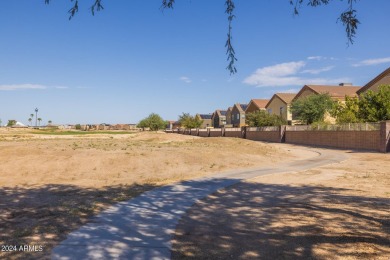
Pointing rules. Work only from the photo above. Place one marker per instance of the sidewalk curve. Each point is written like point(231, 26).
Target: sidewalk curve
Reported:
point(142, 228)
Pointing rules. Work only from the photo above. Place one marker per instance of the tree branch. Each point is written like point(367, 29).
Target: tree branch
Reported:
point(229, 47)
point(167, 4)
point(349, 20)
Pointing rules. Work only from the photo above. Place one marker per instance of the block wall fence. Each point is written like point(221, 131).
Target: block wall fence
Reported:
point(374, 140)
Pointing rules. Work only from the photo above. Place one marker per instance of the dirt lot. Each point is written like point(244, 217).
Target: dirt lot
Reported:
point(50, 184)
point(339, 211)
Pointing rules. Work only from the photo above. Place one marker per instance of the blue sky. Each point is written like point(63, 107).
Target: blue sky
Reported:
point(132, 59)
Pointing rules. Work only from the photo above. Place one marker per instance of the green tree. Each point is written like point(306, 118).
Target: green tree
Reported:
point(29, 120)
point(153, 121)
point(11, 122)
point(346, 112)
point(49, 122)
point(375, 106)
point(263, 118)
point(39, 120)
point(78, 127)
point(347, 17)
point(188, 121)
point(312, 108)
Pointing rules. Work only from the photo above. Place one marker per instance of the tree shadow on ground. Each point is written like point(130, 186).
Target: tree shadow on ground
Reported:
point(44, 215)
point(263, 221)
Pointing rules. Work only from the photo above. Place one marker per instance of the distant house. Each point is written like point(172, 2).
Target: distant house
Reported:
point(16, 124)
point(229, 117)
point(279, 105)
point(170, 124)
point(207, 120)
point(238, 114)
point(336, 92)
point(381, 79)
point(219, 118)
point(255, 105)
point(176, 125)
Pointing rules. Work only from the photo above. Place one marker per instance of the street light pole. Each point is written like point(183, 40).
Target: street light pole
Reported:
point(36, 116)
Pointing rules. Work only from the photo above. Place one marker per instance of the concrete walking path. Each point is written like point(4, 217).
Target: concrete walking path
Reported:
point(142, 228)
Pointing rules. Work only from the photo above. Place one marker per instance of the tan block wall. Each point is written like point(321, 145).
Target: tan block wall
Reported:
point(235, 133)
point(367, 140)
point(268, 136)
point(215, 132)
point(203, 133)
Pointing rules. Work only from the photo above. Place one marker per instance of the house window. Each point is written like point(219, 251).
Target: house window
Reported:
point(238, 116)
point(269, 110)
point(243, 116)
point(281, 110)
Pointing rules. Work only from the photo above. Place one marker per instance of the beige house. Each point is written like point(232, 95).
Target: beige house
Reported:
point(381, 79)
point(207, 120)
point(176, 125)
point(279, 105)
point(229, 117)
point(336, 92)
point(238, 114)
point(256, 104)
point(219, 118)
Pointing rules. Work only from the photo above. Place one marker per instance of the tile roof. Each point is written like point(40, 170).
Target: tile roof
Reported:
point(260, 103)
point(333, 91)
point(220, 112)
point(384, 75)
point(286, 97)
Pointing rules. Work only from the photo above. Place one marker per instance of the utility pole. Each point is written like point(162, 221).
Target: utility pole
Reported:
point(36, 116)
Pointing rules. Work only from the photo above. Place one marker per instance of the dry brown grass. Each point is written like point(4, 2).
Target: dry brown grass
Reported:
point(52, 184)
point(339, 211)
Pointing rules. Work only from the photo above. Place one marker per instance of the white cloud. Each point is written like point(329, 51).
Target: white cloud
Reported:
point(276, 75)
point(371, 62)
point(318, 71)
point(291, 90)
point(286, 74)
point(185, 79)
point(316, 58)
point(21, 87)
point(61, 87)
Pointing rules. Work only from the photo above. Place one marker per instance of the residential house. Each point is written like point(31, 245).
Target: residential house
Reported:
point(336, 93)
point(229, 117)
point(255, 105)
point(207, 123)
point(219, 118)
point(176, 125)
point(279, 105)
point(238, 114)
point(170, 124)
point(381, 79)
